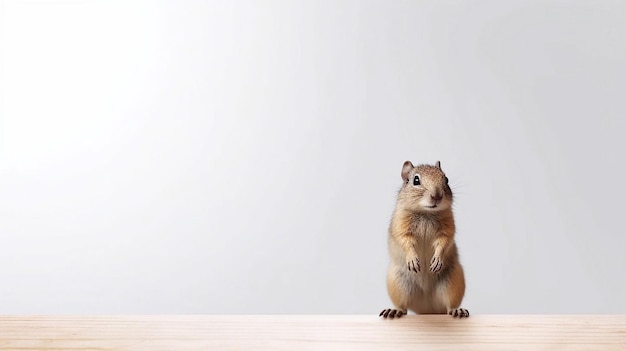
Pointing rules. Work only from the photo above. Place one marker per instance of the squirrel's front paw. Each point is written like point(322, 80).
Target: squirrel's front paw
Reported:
point(414, 265)
point(435, 264)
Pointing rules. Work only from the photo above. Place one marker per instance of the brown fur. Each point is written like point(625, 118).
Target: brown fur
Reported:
point(425, 274)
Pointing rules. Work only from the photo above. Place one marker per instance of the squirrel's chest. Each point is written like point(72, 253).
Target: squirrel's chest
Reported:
point(425, 228)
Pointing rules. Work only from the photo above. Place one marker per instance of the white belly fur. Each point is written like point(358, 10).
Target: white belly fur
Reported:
point(426, 291)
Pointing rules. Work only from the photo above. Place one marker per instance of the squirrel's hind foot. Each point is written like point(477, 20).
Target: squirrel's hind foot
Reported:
point(391, 313)
point(459, 312)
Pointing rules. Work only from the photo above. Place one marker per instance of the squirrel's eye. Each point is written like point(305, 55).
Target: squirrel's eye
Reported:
point(416, 180)
point(446, 180)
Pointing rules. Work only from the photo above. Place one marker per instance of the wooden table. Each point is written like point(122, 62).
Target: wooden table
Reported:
point(317, 332)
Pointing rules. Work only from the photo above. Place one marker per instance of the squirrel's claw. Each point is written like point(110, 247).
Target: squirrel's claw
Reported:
point(436, 264)
point(414, 265)
point(459, 312)
point(391, 313)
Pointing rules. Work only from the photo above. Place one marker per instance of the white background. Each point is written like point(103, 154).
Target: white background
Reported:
point(244, 156)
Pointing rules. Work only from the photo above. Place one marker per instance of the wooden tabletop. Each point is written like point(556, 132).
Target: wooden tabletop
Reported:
point(316, 332)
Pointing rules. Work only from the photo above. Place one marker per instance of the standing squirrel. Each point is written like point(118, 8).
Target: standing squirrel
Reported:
point(425, 274)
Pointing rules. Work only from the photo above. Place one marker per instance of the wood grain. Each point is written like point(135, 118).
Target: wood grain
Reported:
point(316, 332)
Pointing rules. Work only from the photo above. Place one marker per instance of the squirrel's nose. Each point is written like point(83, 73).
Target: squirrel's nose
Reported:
point(436, 197)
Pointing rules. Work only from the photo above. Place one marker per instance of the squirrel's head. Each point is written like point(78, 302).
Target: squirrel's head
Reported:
point(425, 188)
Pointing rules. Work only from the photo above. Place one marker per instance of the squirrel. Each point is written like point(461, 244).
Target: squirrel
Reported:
point(425, 275)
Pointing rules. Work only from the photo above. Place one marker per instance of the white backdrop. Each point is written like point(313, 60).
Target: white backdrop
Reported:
point(244, 156)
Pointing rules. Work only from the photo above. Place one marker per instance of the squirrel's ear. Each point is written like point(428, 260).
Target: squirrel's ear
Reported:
point(438, 164)
point(406, 168)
